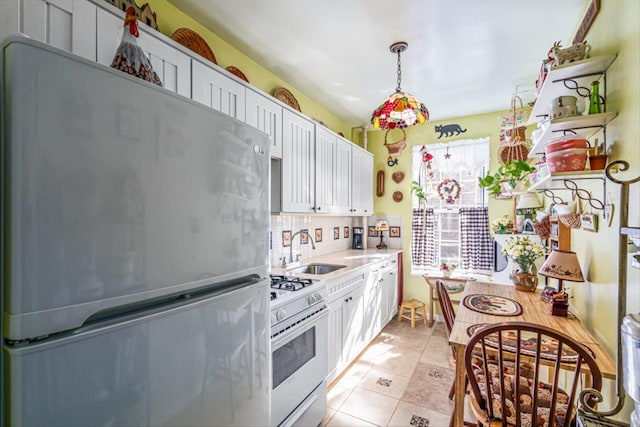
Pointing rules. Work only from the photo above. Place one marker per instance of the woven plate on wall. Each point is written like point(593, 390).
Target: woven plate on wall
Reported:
point(192, 40)
point(287, 97)
point(236, 72)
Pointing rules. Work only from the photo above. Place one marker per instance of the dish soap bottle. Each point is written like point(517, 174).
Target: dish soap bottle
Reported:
point(594, 100)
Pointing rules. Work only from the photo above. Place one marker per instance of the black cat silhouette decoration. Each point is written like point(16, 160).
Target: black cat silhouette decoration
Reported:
point(449, 130)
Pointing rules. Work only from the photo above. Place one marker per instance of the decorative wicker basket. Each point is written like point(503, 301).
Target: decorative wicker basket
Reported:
point(395, 148)
point(543, 228)
point(571, 220)
point(284, 95)
point(192, 40)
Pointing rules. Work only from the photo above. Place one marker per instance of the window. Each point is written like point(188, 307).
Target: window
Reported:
point(448, 176)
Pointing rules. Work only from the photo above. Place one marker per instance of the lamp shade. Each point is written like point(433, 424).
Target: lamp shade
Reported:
point(563, 265)
point(399, 110)
point(382, 226)
point(528, 201)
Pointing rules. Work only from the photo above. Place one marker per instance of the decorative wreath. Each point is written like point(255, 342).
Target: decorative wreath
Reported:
point(449, 190)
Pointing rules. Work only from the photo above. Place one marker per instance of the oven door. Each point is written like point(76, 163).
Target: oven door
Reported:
point(299, 358)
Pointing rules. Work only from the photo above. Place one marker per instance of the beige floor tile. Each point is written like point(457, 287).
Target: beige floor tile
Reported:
point(410, 415)
point(355, 373)
point(369, 406)
point(386, 383)
point(337, 395)
point(340, 419)
point(397, 362)
point(437, 352)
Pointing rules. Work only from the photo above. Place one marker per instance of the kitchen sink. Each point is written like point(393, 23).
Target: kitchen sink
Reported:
point(316, 269)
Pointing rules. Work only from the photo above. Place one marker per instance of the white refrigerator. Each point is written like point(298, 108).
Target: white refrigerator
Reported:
point(134, 265)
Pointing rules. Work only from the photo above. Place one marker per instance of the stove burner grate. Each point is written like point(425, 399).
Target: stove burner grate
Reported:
point(289, 283)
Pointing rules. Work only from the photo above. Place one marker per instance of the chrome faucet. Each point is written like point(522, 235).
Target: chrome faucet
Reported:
point(313, 245)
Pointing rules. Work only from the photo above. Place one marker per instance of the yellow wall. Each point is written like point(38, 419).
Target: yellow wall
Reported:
point(615, 30)
point(478, 126)
point(170, 18)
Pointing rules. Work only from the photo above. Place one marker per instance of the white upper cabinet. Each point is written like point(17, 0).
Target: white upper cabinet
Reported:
point(343, 176)
point(216, 90)
point(265, 115)
point(326, 176)
point(298, 164)
point(65, 24)
point(361, 181)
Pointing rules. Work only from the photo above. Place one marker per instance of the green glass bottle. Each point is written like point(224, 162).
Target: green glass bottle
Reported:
point(594, 101)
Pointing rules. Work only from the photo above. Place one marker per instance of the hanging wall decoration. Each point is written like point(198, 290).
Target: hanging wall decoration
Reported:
point(392, 162)
point(449, 190)
point(449, 130)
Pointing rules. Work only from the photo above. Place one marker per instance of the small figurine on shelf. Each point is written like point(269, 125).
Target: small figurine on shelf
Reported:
point(130, 57)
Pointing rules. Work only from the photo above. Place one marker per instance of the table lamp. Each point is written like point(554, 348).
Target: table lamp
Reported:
point(380, 227)
point(562, 265)
point(525, 208)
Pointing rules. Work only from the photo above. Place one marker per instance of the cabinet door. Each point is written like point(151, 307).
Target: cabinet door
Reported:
point(336, 314)
point(65, 24)
point(298, 163)
point(218, 91)
point(265, 115)
point(326, 176)
point(352, 326)
point(389, 296)
point(343, 178)
point(372, 305)
point(361, 182)
point(172, 66)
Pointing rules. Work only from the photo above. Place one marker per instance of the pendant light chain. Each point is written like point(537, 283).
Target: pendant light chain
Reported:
point(399, 72)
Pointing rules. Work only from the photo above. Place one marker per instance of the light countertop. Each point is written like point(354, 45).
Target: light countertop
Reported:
point(352, 259)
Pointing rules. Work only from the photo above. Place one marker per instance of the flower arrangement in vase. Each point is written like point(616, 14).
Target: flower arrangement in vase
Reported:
point(447, 268)
point(524, 252)
point(501, 225)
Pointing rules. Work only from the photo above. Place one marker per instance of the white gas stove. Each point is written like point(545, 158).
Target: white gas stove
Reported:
point(299, 340)
point(291, 295)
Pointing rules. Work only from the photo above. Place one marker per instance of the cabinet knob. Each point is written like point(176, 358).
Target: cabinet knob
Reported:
point(318, 208)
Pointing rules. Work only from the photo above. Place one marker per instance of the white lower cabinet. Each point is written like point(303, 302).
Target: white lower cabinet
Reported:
point(346, 318)
point(361, 303)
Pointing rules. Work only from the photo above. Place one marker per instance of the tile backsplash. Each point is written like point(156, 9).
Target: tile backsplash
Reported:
point(332, 231)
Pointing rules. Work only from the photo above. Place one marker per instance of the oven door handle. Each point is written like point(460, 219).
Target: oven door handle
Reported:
point(299, 411)
point(298, 329)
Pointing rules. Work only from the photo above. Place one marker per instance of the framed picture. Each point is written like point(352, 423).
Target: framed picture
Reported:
point(547, 293)
point(346, 232)
point(394, 231)
point(318, 235)
point(372, 231)
point(336, 233)
point(304, 236)
point(286, 238)
point(589, 222)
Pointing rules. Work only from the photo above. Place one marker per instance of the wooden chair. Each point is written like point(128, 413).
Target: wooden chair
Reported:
point(513, 350)
point(449, 317)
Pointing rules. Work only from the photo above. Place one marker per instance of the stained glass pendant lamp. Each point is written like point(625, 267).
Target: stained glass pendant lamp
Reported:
point(400, 110)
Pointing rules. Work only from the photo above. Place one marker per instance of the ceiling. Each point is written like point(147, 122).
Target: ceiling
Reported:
point(465, 57)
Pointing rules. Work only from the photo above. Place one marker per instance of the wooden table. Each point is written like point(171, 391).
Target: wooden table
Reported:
point(454, 284)
point(534, 311)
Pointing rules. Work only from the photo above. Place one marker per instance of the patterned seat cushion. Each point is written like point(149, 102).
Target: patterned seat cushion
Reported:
point(525, 384)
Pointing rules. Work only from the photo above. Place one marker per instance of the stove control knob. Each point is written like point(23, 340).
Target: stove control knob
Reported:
point(280, 315)
point(274, 319)
point(318, 297)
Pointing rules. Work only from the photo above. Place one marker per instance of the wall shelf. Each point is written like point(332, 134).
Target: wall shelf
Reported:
point(585, 126)
point(568, 179)
point(554, 86)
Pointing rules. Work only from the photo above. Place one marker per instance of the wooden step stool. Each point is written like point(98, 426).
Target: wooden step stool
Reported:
point(414, 306)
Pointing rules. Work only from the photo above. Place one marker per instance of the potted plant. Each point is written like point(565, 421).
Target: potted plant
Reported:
point(524, 252)
point(511, 173)
point(501, 225)
point(447, 268)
